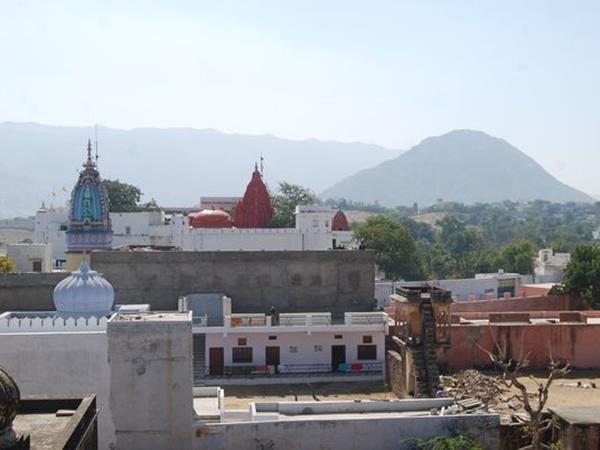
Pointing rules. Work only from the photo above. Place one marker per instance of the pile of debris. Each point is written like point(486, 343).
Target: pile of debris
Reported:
point(470, 384)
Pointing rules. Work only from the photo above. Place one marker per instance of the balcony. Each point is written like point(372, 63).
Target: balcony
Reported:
point(291, 322)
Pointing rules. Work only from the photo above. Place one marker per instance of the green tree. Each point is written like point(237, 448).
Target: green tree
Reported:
point(395, 251)
point(285, 201)
point(7, 265)
point(582, 275)
point(122, 197)
point(441, 264)
point(518, 257)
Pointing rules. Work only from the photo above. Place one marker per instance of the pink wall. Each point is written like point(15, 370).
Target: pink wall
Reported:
point(575, 343)
point(532, 314)
point(306, 346)
point(532, 290)
point(542, 303)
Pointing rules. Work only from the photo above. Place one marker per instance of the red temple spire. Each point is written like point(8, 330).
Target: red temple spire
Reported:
point(254, 210)
point(340, 222)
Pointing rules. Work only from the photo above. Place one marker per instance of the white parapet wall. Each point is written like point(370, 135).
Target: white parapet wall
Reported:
point(32, 324)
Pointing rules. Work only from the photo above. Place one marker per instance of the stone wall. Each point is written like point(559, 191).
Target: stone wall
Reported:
point(302, 281)
point(28, 291)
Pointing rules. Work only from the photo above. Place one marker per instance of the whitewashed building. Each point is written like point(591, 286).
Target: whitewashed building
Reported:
point(245, 348)
point(550, 266)
point(313, 231)
point(31, 257)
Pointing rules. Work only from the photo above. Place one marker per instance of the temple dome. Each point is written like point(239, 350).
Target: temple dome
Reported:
point(340, 222)
point(210, 218)
point(85, 292)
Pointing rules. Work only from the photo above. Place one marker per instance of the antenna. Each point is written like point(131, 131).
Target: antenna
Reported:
point(96, 139)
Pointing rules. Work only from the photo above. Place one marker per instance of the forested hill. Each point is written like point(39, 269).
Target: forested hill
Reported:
point(462, 166)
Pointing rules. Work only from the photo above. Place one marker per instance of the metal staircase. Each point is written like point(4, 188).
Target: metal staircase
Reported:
point(199, 358)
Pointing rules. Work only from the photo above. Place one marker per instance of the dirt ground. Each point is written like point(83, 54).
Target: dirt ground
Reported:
point(563, 392)
point(238, 397)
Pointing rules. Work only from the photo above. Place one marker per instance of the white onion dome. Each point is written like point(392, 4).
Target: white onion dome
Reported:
point(85, 292)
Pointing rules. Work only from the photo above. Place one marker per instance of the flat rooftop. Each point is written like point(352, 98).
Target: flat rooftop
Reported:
point(54, 422)
point(586, 415)
point(153, 316)
point(42, 428)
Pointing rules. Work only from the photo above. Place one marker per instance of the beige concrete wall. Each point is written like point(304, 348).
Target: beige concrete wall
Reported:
point(62, 364)
point(337, 433)
point(151, 381)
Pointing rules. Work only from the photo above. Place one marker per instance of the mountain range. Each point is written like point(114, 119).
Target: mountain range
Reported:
point(466, 166)
point(176, 166)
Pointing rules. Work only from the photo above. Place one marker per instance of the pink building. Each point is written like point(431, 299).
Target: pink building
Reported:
point(288, 348)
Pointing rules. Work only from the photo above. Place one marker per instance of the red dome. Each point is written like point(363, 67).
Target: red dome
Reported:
point(255, 210)
point(210, 218)
point(340, 222)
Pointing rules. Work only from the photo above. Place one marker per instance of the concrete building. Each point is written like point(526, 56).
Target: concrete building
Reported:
point(482, 286)
point(285, 347)
point(50, 226)
point(550, 266)
point(31, 257)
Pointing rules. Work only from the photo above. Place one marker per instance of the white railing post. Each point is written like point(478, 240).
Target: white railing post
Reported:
point(227, 325)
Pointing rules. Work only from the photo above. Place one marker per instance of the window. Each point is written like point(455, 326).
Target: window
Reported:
point(127, 229)
point(36, 266)
point(338, 336)
point(318, 348)
point(293, 349)
point(367, 339)
point(315, 223)
point(241, 354)
point(366, 352)
point(272, 338)
point(242, 342)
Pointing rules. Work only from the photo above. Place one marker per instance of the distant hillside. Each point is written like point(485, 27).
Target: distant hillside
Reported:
point(176, 166)
point(464, 166)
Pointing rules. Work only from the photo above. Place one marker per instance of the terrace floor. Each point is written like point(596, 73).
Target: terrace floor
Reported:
point(239, 397)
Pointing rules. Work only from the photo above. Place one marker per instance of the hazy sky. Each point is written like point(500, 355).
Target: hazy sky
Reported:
point(390, 73)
